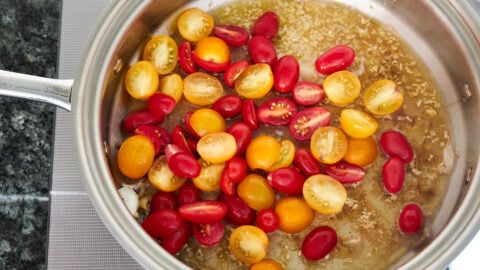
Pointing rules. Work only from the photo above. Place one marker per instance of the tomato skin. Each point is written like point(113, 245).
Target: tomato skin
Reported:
point(287, 180)
point(242, 134)
point(163, 200)
point(268, 220)
point(305, 122)
point(233, 35)
point(229, 106)
point(183, 164)
point(234, 172)
point(188, 193)
point(140, 117)
point(255, 192)
point(306, 162)
point(345, 172)
point(393, 175)
point(307, 93)
point(209, 178)
point(319, 243)
point(211, 54)
point(410, 219)
point(263, 152)
point(276, 111)
point(249, 115)
point(173, 243)
point(295, 215)
point(135, 156)
point(335, 59)
point(262, 50)
point(266, 264)
point(233, 71)
point(395, 144)
point(361, 152)
point(208, 234)
point(185, 57)
point(248, 244)
point(238, 212)
point(203, 212)
point(160, 104)
point(158, 135)
point(162, 222)
point(266, 25)
point(286, 73)
point(204, 121)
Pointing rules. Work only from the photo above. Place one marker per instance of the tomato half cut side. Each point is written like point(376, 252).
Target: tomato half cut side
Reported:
point(342, 87)
point(305, 122)
point(185, 57)
point(195, 24)
point(208, 234)
point(162, 52)
point(203, 212)
point(276, 111)
point(233, 71)
point(324, 194)
point(249, 244)
point(328, 144)
point(202, 89)
point(345, 172)
point(308, 93)
point(306, 162)
point(255, 81)
point(383, 97)
point(233, 35)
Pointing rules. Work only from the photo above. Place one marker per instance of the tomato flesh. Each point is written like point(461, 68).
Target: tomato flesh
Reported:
point(256, 192)
point(141, 80)
point(345, 172)
point(249, 244)
point(208, 234)
point(306, 162)
point(305, 122)
point(195, 24)
point(383, 97)
point(162, 178)
point(217, 147)
point(249, 115)
point(342, 87)
point(162, 52)
point(233, 35)
point(233, 71)
point(329, 144)
point(308, 93)
point(276, 111)
point(185, 57)
point(202, 89)
point(203, 212)
point(255, 81)
point(324, 194)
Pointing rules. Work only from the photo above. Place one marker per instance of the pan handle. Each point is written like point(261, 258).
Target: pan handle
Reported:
point(53, 91)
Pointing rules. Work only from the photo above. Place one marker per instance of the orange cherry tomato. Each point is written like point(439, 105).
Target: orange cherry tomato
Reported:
point(162, 52)
point(172, 85)
point(205, 120)
point(255, 81)
point(217, 147)
point(248, 244)
point(255, 191)
point(202, 89)
point(266, 264)
point(263, 152)
point(213, 49)
point(357, 124)
point(135, 156)
point(141, 80)
point(324, 194)
point(361, 152)
point(195, 24)
point(287, 153)
point(342, 87)
point(210, 174)
point(294, 213)
point(383, 97)
point(162, 178)
point(328, 144)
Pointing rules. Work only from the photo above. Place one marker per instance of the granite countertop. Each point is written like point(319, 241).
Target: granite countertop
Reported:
point(28, 44)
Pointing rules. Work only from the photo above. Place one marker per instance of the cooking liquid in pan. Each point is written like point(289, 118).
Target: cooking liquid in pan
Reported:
point(369, 237)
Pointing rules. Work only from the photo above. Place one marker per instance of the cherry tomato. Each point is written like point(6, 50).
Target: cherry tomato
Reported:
point(173, 243)
point(162, 222)
point(383, 97)
point(162, 52)
point(305, 122)
point(248, 244)
point(188, 193)
point(195, 24)
point(161, 104)
point(202, 89)
point(361, 152)
point(172, 85)
point(162, 178)
point(319, 243)
point(295, 215)
point(212, 54)
point(395, 144)
point(141, 80)
point(204, 121)
point(233, 35)
point(238, 212)
point(228, 106)
point(357, 124)
point(227, 185)
point(249, 115)
point(184, 164)
point(262, 50)
point(268, 220)
point(324, 194)
point(276, 111)
point(203, 212)
point(266, 25)
point(287, 180)
point(242, 134)
point(141, 117)
point(345, 172)
point(266, 264)
point(188, 124)
point(234, 172)
point(410, 219)
point(308, 93)
point(208, 234)
point(255, 81)
point(185, 57)
point(306, 162)
point(217, 147)
point(328, 144)
point(233, 71)
point(286, 73)
point(181, 138)
point(335, 59)
point(163, 200)
point(262, 152)
point(209, 178)
point(393, 175)
point(287, 153)
point(158, 135)
point(135, 156)
point(342, 87)
point(256, 192)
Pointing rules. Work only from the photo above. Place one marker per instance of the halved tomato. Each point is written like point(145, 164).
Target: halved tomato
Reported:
point(233, 71)
point(255, 81)
point(229, 106)
point(249, 244)
point(162, 52)
point(287, 154)
point(172, 85)
point(383, 97)
point(357, 124)
point(135, 156)
point(141, 80)
point(203, 212)
point(212, 54)
point(185, 57)
point(286, 73)
point(324, 194)
point(262, 152)
point(208, 234)
point(276, 111)
point(328, 144)
point(233, 35)
point(342, 87)
point(308, 93)
point(204, 121)
point(345, 172)
point(195, 24)
point(202, 89)
point(249, 115)
point(210, 174)
point(242, 134)
point(262, 50)
point(162, 178)
point(305, 122)
point(255, 191)
point(217, 147)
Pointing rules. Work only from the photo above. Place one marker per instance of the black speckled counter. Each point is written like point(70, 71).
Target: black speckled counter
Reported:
point(28, 44)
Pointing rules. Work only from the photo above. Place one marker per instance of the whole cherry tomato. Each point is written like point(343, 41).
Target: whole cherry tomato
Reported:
point(173, 243)
point(286, 73)
point(208, 234)
point(162, 222)
point(361, 152)
point(319, 243)
point(305, 122)
point(266, 25)
point(295, 215)
point(172, 85)
point(233, 35)
point(249, 115)
point(185, 165)
point(306, 162)
point(203, 212)
point(228, 106)
point(395, 144)
point(335, 59)
point(238, 212)
point(242, 134)
point(268, 220)
point(308, 93)
point(140, 117)
point(163, 200)
point(287, 180)
point(161, 104)
point(410, 219)
point(276, 111)
point(188, 193)
point(233, 71)
point(262, 50)
point(393, 174)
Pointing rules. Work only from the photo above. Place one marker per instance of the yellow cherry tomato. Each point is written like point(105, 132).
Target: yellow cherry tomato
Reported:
point(287, 153)
point(255, 191)
point(205, 120)
point(324, 194)
point(295, 215)
point(357, 124)
point(172, 85)
point(162, 52)
point(342, 87)
point(162, 178)
point(383, 97)
point(266, 264)
point(255, 81)
point(217, 147)
point(328, 144)
point(202, 89)
point(262, 152)
point(248, 244)
point(195, 24)
point(209, 178)
point(213, 49)
point(361, 152)
point(135, 156)
point(141, 80)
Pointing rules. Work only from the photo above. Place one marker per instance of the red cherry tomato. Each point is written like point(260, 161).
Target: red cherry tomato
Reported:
point(335, 59)
point(276, 111)
point(238, 212)
point(203, 212)
point(319, 243)
point(158, 135)
point(411, 218)
point(211, 54)
point(163, 200)
point(235, 170)
point(268, 220)
point(233, 35)
point(345, 172)
point(286, 73)
point(305, 122)
point(188, 125)
point(208, 234)
point(249, 115)
point(262, 50)
point(306, 162)
point(233, 71)
point(173, 243)
point(160, 104)
point(184, 165)
point(188, 193)
point(185, 57)
point(181, 138)
point(395, 144)
point(243, 135)
point(140, 117)
point(228, 106)
point(308, 93)
point(162, 222)
point(266, 25)
point(393, 175)
point(287, 180)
